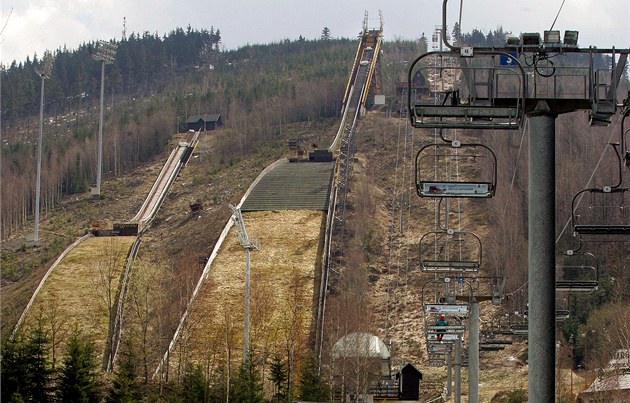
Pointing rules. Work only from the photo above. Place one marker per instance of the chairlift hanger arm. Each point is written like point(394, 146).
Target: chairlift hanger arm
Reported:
point(626, 152)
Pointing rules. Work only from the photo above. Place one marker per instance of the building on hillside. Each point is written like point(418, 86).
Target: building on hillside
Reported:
point(613, 384)
point(363, 368)
point(204, 122)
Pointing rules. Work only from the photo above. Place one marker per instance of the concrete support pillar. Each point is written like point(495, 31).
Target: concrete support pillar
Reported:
point(458, 371)
point(473, 353)
point(449, 374)
point(541, 251)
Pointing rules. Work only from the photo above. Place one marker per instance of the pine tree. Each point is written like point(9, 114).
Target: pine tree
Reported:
point(194, 384)
point(247, 387)
point(279, 379)
point(79, 378)
point(125, 387)
point(312, 385)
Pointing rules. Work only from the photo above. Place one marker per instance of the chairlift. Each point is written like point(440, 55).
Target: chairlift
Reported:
point(608, 212)
point(562, 309)
point(439, 297)
point(518, 324)
point(439, 167)
point(450, 252)
point(472, 92)
point(501, 324)
point(577, 272)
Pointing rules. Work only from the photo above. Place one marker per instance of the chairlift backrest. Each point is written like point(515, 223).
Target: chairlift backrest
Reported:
point(450, 252)
point(468, 170)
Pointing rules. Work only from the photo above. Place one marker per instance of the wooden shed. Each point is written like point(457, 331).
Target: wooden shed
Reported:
point(204, 122)
point(410, 378)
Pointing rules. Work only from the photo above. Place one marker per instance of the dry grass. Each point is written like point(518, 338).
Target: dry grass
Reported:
point(282, 285)
point(74, 296)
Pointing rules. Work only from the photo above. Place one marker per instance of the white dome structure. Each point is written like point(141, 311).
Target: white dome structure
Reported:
point(360, 344)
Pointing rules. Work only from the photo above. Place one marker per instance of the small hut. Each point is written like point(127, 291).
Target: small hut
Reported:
point(410, 378)
point(203, 122)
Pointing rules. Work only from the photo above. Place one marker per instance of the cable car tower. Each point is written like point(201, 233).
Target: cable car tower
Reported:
point(536, 78)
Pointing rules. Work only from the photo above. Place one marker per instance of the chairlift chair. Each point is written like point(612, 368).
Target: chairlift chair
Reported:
point(468, 93)
point(562, 309)
point(450, 252)
point(438, 170)
point(578, 272)
point(607, 214)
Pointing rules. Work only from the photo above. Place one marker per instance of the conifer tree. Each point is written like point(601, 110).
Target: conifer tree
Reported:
point(247, 387)
point(26, 369)
point(38, 367)
point(79, 378)
point(194, 384)
point(279, 378)
point(125, 386)
point(13, 370)
point(312, 385)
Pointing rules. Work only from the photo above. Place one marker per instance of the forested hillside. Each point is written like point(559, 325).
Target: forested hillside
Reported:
point(152, 88)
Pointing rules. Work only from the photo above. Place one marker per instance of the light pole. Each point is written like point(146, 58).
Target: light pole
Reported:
point(44, 73)
point(105, 53)
point(248, 244)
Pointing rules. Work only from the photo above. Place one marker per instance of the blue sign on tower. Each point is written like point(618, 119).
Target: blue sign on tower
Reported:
point(506, 61)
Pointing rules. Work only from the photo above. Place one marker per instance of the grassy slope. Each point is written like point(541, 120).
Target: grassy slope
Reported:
point(74, 296)
point(283, 274)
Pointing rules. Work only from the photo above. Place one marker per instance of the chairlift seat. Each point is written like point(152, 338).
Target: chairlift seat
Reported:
point(447, 309)
point(562, 314)
point(491, 347)
point(602, 229)
point(577, 285)
point(440, 266)
point(519, 328)
point(466, 117)
point(455, 189)
point(446, 329)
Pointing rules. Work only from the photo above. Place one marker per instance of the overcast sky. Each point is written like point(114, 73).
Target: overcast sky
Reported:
point(33, 26)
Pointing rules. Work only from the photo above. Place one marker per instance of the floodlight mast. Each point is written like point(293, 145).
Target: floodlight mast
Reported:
point(247, 243)
point(44, 72)
point(105, 53)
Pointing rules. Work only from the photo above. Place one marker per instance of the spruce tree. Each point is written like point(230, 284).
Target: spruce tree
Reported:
point(39, 372)
point(79, 378)
point(13, 370)
point(194, 384)
point(247, 387)
point(279, 378)
point(313, 387)
point(125, 386)
point(26, 369)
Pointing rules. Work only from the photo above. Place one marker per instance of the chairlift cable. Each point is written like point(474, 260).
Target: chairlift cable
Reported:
point(518, 156)
point(555, 19)
point(392, 225)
